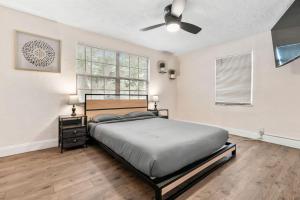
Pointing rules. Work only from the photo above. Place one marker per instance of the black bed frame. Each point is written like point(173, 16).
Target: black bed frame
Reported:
point(187, 176)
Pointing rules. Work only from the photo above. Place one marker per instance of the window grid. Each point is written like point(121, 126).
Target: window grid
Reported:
point(88, 76)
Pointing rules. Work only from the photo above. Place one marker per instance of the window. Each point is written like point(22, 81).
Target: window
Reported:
point(234, 80)
point(108, 72)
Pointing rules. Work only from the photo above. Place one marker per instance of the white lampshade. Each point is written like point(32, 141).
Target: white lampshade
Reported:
point(73, 99)
point(155, 98)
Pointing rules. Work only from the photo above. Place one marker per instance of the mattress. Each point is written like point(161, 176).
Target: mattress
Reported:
point(158, 147)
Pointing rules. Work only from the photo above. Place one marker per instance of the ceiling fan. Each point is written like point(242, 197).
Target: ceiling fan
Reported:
point(173, 16)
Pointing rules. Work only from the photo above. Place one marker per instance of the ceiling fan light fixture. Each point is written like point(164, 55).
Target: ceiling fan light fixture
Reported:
point(173, 19)
point(173, 27)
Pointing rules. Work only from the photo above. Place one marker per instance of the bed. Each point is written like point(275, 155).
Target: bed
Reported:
point(169, 155)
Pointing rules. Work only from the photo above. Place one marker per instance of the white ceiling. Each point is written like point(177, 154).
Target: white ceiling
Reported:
point(221, 20)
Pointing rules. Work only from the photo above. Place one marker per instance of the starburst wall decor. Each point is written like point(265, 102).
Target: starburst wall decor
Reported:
point(37, 53)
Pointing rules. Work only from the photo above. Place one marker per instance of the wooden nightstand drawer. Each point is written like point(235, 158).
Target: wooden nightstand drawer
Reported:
point(72, 142)
point(164, 116)
point(75, 132)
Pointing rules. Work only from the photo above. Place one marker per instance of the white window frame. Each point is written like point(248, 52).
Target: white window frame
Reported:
point(252, 82)
point(117, 77)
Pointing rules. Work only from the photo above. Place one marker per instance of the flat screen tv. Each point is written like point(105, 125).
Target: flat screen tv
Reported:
point(286, 36)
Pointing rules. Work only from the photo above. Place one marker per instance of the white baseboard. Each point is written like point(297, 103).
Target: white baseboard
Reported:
point(268, 137)
point(27, 147)
point(282, 141)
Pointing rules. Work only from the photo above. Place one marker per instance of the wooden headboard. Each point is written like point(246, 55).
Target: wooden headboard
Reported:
point(95, 105)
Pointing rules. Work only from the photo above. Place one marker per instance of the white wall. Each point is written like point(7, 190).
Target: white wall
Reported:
point(276, 91)
point(30, 102)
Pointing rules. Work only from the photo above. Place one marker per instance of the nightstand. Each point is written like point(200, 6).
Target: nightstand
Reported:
point(72, 131)
point(162, 113)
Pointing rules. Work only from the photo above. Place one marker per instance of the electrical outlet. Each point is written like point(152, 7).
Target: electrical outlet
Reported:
point(261, 132)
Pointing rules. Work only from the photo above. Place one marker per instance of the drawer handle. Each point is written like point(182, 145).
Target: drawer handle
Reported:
point(75, 140)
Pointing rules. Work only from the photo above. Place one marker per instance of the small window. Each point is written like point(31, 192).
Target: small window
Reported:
point(234, 80)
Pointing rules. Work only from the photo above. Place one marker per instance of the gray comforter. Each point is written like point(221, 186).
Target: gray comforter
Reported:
point(157, 146)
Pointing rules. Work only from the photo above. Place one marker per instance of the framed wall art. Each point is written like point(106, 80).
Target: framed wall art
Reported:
point(37, 53)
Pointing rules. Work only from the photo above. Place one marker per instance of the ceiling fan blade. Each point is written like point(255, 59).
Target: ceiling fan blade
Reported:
point(190, 27)
point(178, 7)
point(152, 27)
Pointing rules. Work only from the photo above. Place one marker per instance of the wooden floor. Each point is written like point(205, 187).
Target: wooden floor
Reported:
point(260, 171)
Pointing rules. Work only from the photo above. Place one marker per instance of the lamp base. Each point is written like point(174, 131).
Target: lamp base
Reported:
point(73, 111)
point(155, 106)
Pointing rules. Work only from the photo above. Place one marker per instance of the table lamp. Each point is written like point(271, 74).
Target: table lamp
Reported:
point(73, 100)
point(155, 99)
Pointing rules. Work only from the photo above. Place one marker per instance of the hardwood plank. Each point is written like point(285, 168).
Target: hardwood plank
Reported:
point(260, 171)
point(284, 178)
point(73, 190)
point(2, 195)
point(253, 184)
